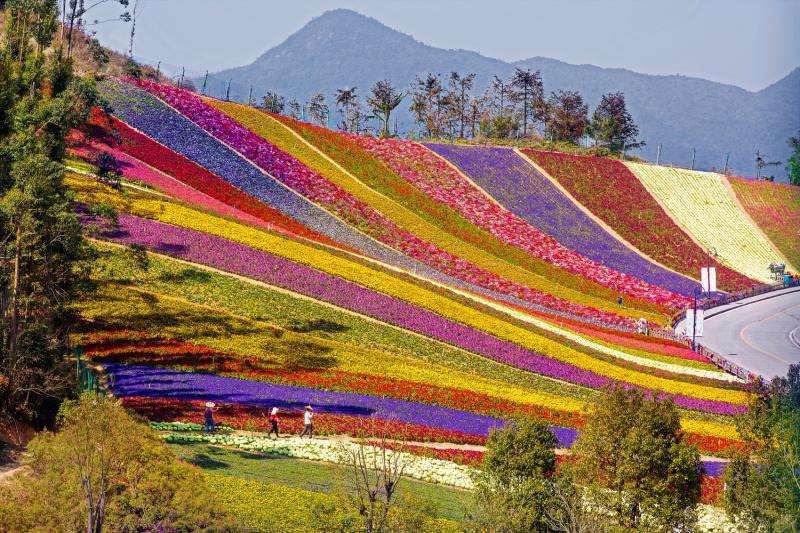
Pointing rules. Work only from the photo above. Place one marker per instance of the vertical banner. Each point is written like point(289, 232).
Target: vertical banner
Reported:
point(708, 279)
point(694, 324)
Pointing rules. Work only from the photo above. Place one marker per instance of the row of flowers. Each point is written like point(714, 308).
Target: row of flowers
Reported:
point(710, 490)
point(775, 207)
point(386, 190)
point(136, 380)
point(606, 187)
point(540, 208)
point(450, 466)
point(139, 349)
point(723, 229)
point(359, 214)
point(256, 418)
point(233, 257)
point(414, 466)
point(143, 159)
point(153, 118)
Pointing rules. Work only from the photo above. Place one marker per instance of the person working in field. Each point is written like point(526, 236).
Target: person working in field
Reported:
point(308, 423)
point(273, 422)
point(208, 417)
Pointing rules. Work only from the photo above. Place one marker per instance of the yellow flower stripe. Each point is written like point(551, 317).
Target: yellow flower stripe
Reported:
point(723, 227)
point(172, 317)
point(383, 282)
point(167, 316)
point(284, 138)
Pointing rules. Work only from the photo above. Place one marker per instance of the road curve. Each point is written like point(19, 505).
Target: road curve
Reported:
point(760, 334)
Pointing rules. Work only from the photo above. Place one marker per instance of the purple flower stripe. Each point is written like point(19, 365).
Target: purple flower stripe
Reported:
point(134, 380)
point(152, 117)
point(519, 187)
point(237, 258)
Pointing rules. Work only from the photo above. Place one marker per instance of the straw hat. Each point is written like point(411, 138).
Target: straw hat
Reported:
point(211, 404)
point(308, 408)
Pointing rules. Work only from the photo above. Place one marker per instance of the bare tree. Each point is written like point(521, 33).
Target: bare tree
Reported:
point(427, 105)
point(373, 481)
point(318, 109)
point(350, 109)
point(383, 100)
point(295, 109)
point(528, 90)
point(272, 102)
point(762, 163)
point(501, 96)
point(78, 9)
point(458, 98)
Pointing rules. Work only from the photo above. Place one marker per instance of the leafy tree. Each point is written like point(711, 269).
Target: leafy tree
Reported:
point(762, 484)
point(632, 458)
point(383, 100)
point(528, 90)
point(318, 109)
point(612, 125)
point(512, 487)
point(793, 164)
point(102, 470)
point(567, 117)
point(42, 253)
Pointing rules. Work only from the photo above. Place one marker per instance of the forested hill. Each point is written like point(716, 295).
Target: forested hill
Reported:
point(343, 48)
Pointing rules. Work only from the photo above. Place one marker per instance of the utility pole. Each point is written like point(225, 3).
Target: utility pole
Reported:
point(658, 154)
point(183, 72)
point(694, 153)
point(228, 92)
point(727, 156)
point(158, 72)
point(250, 97)
point(623, 150)
point(205, 82)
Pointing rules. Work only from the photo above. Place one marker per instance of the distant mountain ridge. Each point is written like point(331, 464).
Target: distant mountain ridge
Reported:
point(344, 48)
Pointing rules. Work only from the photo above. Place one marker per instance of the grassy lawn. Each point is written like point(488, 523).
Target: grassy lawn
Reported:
point(307, 475)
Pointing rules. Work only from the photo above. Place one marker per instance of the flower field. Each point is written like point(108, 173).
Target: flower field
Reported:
point(414, 292)
point(723, 229)
point(776, 209)
point(360, 206)
point(518, 187)
point(566, 364)
point(605, 185)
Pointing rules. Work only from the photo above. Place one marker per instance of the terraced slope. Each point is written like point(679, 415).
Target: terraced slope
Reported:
point(401, 216)
point(389, 299)
point(611, 192)
point(703, 205)
point(776, 209)
point(521, 189)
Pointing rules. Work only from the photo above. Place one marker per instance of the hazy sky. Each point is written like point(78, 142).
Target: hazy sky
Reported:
point(750, 43)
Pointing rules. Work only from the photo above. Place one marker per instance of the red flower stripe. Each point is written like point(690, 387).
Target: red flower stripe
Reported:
point(603, 185)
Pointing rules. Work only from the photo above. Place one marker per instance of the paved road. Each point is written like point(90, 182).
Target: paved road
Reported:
point(761, 334)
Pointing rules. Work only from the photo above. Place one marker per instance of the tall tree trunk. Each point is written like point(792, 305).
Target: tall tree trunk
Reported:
point(14, 322)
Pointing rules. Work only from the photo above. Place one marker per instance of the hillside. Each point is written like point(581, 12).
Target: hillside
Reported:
point(342, 48)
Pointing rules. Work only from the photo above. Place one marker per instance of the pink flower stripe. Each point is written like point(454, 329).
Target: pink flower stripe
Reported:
point(435, 177)
point(315, 187)
point(136, 170)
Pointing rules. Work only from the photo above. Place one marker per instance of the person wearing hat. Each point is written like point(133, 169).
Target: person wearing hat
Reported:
point(308, 423)
point(273, 422)
point(209, 417)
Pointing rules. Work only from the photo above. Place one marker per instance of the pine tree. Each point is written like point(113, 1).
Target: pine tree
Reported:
point(42, 251)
